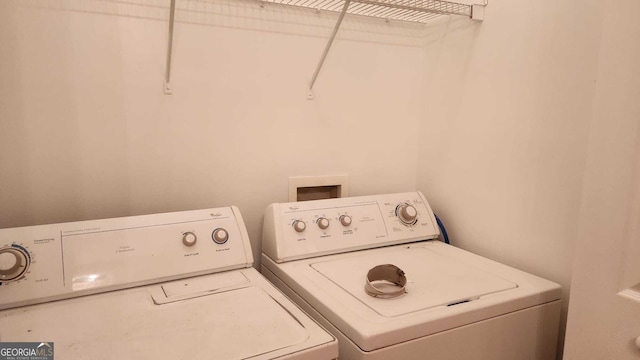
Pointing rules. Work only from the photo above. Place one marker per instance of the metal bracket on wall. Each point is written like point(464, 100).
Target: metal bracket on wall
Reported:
point(326, 49)
point(167, 75)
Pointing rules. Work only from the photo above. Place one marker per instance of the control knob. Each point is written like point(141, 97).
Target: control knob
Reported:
point(345, 220)
point(14, 262)
point(407, 214)
point(189, 238)
point(299, 225)
point(220, 236)
point(323, 223)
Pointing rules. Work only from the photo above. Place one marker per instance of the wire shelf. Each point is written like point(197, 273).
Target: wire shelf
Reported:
point(419, 11)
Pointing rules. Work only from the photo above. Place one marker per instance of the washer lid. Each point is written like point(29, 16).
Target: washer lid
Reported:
point(433, 280)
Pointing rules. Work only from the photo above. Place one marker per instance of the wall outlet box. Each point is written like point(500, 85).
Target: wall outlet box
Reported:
point(303, 188)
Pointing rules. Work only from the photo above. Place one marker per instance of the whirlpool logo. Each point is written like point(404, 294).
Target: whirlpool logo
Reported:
point(26, 351)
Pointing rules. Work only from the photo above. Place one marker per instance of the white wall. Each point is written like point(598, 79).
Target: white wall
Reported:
point(602, 324)
point(504, 134)
point(86, 131)
point(489, 120)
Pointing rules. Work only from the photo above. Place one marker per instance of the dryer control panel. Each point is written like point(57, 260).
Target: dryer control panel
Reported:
point(306, 229)
point(49, 262)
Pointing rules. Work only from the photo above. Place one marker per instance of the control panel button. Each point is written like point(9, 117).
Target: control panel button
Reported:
point(220, 236)
point(345, 220)
point(407, 214)
point(189, 238)
point(14, 262)
point(299, 225)
point(323, 223)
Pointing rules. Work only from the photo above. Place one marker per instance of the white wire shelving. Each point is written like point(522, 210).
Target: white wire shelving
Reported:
point(417, 11)
point(397, 10)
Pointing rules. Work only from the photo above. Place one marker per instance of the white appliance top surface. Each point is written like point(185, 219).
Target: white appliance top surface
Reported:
point(438, 275)
point(432, 280)
point(231, 315)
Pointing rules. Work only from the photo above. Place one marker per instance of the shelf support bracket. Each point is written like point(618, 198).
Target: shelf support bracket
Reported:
point(326, 49)
point(167, 74)
point(477, 11)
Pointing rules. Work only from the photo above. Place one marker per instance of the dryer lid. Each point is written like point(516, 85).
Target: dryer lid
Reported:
point(241, 323)
point(433, 280)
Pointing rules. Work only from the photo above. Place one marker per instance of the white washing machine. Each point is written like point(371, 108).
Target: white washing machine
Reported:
point(163, 286)
point(372, 272)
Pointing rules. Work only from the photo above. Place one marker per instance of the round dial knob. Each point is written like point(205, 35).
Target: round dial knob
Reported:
point(14, 262)
point(220, 236)
point(323, 223)
point(345, 220)
point(189, 238)
point(299, 225)
point(407, 213)
point(9, 262)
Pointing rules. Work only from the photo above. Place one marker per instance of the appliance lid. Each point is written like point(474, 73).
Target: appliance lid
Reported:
point(433, 280)
point(236, 324)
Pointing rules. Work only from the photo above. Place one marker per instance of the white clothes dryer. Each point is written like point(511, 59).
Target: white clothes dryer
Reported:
point(163, 286)
point(371, 270)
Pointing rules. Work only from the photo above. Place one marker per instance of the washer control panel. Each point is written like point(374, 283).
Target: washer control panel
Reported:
point(48, 262)
point(306, 229)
